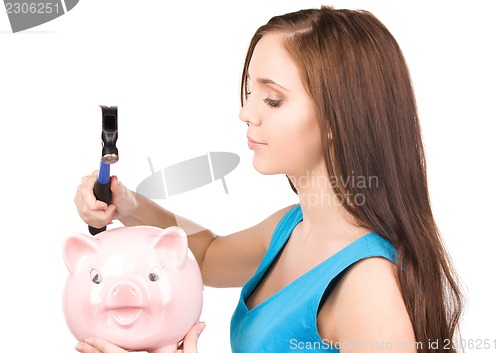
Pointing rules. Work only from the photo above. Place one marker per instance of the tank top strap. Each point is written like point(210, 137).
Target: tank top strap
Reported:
point(280, 236)
point(368, 246)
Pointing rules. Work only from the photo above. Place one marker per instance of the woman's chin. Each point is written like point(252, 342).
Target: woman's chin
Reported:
point(265, 167)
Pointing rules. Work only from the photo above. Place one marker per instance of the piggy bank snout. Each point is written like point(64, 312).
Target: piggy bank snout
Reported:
point(124, 294)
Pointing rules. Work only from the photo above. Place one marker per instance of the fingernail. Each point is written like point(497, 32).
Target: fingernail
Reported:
point(90, 341)
point(201, 326)
point(80, 347)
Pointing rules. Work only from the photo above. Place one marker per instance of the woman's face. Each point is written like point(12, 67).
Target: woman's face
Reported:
point(283, 129)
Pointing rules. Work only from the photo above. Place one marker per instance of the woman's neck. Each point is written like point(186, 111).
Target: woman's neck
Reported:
point(323, 212)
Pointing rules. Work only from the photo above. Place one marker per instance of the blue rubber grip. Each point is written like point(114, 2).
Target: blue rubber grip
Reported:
point(102, 191)
point(104, 173)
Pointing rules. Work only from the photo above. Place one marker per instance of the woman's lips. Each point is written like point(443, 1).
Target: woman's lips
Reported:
point(253, 144)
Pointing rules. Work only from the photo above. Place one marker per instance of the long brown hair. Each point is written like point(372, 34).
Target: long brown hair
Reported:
point(356, 74)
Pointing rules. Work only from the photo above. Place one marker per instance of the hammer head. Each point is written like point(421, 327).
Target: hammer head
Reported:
point(109, 134)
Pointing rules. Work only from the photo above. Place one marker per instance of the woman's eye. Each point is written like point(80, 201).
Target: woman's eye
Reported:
point(273, 103)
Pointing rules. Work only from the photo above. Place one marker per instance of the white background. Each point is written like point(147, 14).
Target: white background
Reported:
point(173, 68)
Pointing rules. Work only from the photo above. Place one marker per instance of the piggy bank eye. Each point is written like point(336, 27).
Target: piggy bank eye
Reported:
point(154, 274)
point(95, 276)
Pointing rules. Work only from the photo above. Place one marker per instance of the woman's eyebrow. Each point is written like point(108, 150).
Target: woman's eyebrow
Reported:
point(267, 81)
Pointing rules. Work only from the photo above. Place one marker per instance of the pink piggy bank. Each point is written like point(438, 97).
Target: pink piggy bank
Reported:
point(137, 287)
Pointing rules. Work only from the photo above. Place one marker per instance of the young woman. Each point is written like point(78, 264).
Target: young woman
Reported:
point(358, 264)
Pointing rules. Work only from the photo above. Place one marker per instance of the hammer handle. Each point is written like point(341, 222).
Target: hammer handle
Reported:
point(102, 192)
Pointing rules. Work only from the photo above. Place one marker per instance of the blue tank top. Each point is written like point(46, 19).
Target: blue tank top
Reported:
point(286, 321)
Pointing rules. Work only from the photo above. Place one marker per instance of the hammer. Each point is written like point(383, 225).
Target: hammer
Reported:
point(109, 136)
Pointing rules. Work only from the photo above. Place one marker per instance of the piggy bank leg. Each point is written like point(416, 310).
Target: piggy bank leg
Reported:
point(171, 348)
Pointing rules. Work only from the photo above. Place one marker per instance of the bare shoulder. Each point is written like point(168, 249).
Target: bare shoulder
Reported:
point(367, 306)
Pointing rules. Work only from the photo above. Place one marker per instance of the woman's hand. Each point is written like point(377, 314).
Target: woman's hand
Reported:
point(98, 345)
point(96, 213)
point(190, 343)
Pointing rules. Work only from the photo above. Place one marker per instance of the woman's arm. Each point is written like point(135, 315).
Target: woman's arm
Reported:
point(225, 261)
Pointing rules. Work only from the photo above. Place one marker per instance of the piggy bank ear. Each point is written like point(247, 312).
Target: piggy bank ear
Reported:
point(75, 247)
point(171, 244)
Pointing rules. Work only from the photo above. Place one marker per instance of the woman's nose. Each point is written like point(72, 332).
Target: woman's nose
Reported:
point(248, 114)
